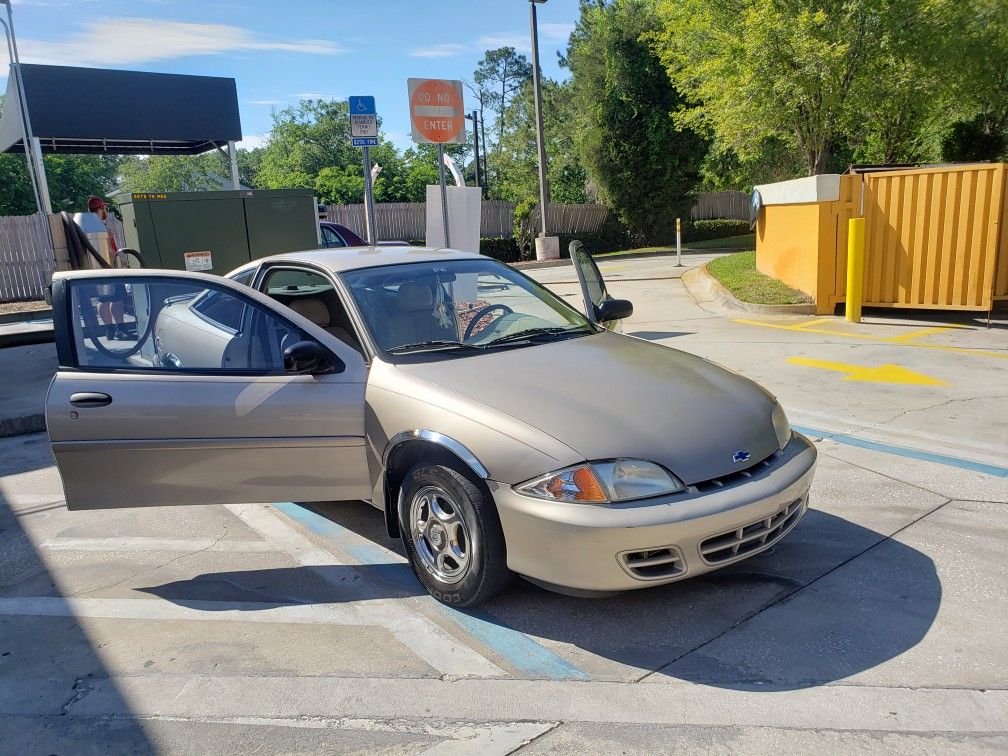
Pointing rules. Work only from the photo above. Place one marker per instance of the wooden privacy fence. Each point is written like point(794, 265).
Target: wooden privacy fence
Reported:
point(26, 257)
point(408, 220)
point(732, 205)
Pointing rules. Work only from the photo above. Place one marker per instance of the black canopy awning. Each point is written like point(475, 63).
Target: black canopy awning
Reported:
point(97, 110)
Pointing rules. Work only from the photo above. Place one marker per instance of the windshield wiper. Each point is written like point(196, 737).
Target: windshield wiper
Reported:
point(432, 344)
point(530, 333)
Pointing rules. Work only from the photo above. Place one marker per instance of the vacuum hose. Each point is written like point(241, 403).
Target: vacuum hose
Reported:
point(80, 247)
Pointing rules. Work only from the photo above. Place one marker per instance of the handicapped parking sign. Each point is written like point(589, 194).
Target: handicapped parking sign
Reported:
point(362, 105)
point(363, 121)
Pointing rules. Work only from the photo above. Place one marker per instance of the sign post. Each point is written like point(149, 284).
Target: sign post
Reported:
point(437, 115)
point(364, 133)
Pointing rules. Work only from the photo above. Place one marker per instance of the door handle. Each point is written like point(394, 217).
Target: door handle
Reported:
point(90, 399)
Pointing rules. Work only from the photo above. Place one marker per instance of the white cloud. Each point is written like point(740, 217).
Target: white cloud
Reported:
point(318, 96)
point(251, 141)
point(267, 102)
point(120, 41)
point(555, 32)
point(549, 34)
point(446, 50)
point(520, 42)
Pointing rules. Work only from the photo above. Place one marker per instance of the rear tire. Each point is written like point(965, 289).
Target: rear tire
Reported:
point(452, 536)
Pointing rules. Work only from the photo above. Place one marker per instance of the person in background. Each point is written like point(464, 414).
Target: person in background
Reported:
point(110, 306)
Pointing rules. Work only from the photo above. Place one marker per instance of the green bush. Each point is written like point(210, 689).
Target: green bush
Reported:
point(505, 250)
point(524, 231)
point(700, 230)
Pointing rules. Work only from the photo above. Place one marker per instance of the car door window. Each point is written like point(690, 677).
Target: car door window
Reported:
point(313, 296)
point(331, 239)
point(592, 284)
point(161, 324)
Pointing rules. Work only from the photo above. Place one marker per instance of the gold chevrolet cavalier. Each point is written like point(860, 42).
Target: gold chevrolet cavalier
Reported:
point(498, 429)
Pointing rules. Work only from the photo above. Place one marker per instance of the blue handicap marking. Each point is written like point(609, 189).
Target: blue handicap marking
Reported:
point(520, 650)
point(362, 105)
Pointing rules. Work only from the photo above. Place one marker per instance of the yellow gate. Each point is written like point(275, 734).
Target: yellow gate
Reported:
point(934, 238)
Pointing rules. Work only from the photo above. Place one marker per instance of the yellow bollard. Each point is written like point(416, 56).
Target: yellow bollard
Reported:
point(855, 268)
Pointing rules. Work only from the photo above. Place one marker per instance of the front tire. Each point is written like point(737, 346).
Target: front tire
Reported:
point(452, 536)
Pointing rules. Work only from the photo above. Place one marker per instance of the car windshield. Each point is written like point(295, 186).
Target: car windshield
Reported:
point(462, 306)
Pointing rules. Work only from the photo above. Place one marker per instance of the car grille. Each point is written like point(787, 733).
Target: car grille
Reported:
point(652, 564)
point(725, 547)
point(738, 476)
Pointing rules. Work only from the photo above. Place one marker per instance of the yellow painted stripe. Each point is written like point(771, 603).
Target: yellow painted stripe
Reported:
point(895, 340)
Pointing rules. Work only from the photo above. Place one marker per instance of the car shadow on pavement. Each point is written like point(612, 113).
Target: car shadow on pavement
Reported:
point(49, 664)
point(832, 600)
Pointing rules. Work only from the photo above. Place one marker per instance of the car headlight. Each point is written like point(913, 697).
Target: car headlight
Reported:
point(604, 482)
point(781, 425)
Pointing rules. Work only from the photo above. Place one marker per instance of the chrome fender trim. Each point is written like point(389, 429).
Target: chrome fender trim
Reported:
point(422, 434)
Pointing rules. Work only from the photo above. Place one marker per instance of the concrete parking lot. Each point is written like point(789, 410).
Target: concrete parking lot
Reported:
point(876, 625)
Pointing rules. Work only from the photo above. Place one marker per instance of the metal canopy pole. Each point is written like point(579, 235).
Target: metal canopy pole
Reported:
point(26, 132)
point(444, 194)
point(369, 210)
point(233, 165)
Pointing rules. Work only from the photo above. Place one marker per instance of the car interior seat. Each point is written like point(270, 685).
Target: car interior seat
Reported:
point(412, 318)
point(321, 313)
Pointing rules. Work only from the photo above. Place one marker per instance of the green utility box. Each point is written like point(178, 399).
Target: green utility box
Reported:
point(215, 232)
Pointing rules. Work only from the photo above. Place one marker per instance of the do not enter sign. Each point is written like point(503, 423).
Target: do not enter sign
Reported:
point(436, 111)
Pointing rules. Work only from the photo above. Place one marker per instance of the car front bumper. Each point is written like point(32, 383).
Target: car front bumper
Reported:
point(622, 547)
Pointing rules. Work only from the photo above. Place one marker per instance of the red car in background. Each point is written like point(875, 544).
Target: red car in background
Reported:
point(336, 235)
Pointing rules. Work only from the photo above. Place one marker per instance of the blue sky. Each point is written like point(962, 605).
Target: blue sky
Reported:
point(281, 51)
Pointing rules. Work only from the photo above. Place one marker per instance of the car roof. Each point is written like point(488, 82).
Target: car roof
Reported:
point(339, 259)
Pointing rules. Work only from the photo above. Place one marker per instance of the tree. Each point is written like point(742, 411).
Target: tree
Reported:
point(498, 77)
point(72, 179)
point(518, 160)
point(306, 138)
point(643, 163)
point(804, 70)
point(978, 30)
point(175, 173)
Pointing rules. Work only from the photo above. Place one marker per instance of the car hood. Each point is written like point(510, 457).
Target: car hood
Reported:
point(608, 395)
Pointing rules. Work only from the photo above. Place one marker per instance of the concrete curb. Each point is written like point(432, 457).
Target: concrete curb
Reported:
point(533, 264)
point(40, 313)
point(10, 337)
point(713, 297)
point(22, 426)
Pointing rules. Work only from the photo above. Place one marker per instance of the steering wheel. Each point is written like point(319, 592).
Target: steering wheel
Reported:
point(482, 313)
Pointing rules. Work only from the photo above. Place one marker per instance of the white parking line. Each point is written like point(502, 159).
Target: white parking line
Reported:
point(141, 543)
point(418, 633)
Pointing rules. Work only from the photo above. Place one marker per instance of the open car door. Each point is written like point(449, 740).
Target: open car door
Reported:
point(599, 306)
point(185, 388)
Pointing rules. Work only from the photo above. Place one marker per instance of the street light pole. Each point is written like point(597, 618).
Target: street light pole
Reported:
point(476, 145)
point(35, 172)
point(537, 90)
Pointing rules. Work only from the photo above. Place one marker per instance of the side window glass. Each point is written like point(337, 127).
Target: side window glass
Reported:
point(314, 297)
point(592, 277)
point(331, 239)
point(165, 325)
point(245, 277)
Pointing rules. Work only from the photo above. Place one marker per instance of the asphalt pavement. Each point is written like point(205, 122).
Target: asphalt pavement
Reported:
point(875, 626)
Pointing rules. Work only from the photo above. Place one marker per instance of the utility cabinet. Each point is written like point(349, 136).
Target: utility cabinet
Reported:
point(215, 232)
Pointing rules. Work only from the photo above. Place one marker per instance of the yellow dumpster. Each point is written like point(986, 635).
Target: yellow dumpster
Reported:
point(935, 238)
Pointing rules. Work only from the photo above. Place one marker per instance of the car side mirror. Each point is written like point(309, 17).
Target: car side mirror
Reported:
point(306, 357)
point(614, 309)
